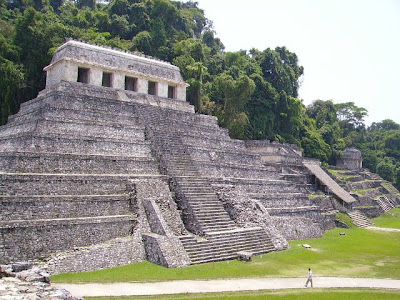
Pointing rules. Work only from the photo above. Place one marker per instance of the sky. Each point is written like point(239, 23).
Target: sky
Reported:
point(350, 49)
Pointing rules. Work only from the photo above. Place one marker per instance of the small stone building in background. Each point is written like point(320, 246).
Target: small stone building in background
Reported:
point(351, 159)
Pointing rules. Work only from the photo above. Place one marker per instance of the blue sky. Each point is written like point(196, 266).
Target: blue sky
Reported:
point(350, 49)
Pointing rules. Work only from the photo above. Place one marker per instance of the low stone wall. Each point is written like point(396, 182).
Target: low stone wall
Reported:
point(49, 184)
point(231, 170)
point(324, 202)
point(69, 144)
point(271, 186)
point(112, 253)
point(212, 144)
point(76, 164)
point(165, 250)
point(22, 240)
point(370, 212)
point(77, 128)
point(275, 202)
point(50, 207)
point(311, 212)
point(364, 184)
point(296, 228)
point(224, 157)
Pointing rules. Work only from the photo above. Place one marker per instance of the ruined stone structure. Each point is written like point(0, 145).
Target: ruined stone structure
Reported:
point(110, 165)
point(351, 159)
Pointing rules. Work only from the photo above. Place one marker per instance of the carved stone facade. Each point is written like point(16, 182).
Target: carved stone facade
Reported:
point(80, 62)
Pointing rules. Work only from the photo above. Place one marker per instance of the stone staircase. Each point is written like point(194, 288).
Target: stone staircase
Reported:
point(385, 203)
point(206, 207)
point(207, 249)
point(359, 219)
point(202, 212)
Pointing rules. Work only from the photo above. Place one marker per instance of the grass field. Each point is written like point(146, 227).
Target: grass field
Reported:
point(314, 294)
point(390, 219)
point(359, 253)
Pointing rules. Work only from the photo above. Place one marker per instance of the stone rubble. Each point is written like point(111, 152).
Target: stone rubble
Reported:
point(23, 281)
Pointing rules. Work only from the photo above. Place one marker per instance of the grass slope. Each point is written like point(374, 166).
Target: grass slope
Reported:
point(314, 294)
point(391, 219)
point(360, 253)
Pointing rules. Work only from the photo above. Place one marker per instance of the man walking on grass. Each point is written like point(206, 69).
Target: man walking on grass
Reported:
point(309, 279)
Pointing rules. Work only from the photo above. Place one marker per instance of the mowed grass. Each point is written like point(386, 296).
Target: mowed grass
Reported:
point(359, 253)
point(309, 294)
point(391, 219)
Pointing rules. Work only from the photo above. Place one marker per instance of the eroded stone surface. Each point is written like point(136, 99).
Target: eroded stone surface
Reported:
point(24, 281)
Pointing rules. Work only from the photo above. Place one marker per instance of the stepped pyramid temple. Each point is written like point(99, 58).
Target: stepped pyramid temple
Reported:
point(110, 165)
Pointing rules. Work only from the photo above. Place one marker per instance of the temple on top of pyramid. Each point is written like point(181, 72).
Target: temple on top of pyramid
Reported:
point(99, 66)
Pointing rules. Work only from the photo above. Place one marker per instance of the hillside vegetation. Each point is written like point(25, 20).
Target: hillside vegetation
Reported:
point(254, 93)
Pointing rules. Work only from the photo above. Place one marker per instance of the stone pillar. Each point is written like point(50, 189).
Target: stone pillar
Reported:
point(119, 81)
point(163, 89)
point(70, 72)
point(95, 76)
point(181, 92)
point(142, 85)
point(61, 71)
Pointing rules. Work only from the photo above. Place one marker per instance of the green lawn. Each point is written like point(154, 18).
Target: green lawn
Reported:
point(309, 294)
point(390, 219)
point(360, 253)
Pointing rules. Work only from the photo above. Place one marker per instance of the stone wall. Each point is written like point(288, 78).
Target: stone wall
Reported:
point(49, 184)
point(29, 207)
point(165, 250)
point(74, 163)
point(248, 213)
point(115, 252)
point(157, 191)
point(35, 239)
point(296, 228)
point(276, 153)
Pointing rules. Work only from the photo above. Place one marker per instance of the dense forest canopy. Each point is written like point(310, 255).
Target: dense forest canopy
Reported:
point(253, 93)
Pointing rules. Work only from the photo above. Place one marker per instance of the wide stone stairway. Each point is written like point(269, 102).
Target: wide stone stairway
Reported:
point(215, 235)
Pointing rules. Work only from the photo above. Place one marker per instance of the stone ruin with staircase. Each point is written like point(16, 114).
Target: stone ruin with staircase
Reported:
point(110, 165)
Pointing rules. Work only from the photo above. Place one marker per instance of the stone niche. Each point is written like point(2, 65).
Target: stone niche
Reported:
point(351, 159)
point(89, 64)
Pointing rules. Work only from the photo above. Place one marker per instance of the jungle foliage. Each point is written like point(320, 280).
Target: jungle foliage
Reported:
point(254, 93)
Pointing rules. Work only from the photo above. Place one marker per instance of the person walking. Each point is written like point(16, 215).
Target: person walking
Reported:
point(309, 279)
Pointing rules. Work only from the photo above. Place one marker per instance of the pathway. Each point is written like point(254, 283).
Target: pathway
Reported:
point(383, 229)
point(230, 285)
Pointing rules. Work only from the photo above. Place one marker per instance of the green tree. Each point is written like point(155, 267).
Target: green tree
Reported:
point(35, 34)
point(86, 3)
point(261, 109)
point(398, 178)
point(11, 79)
point(386, 170)
point(351, 117)
point(142, 43)
point(236, 94)
point(314, 146)
point(280, 68)
point(392, 145)
point(384, 125)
